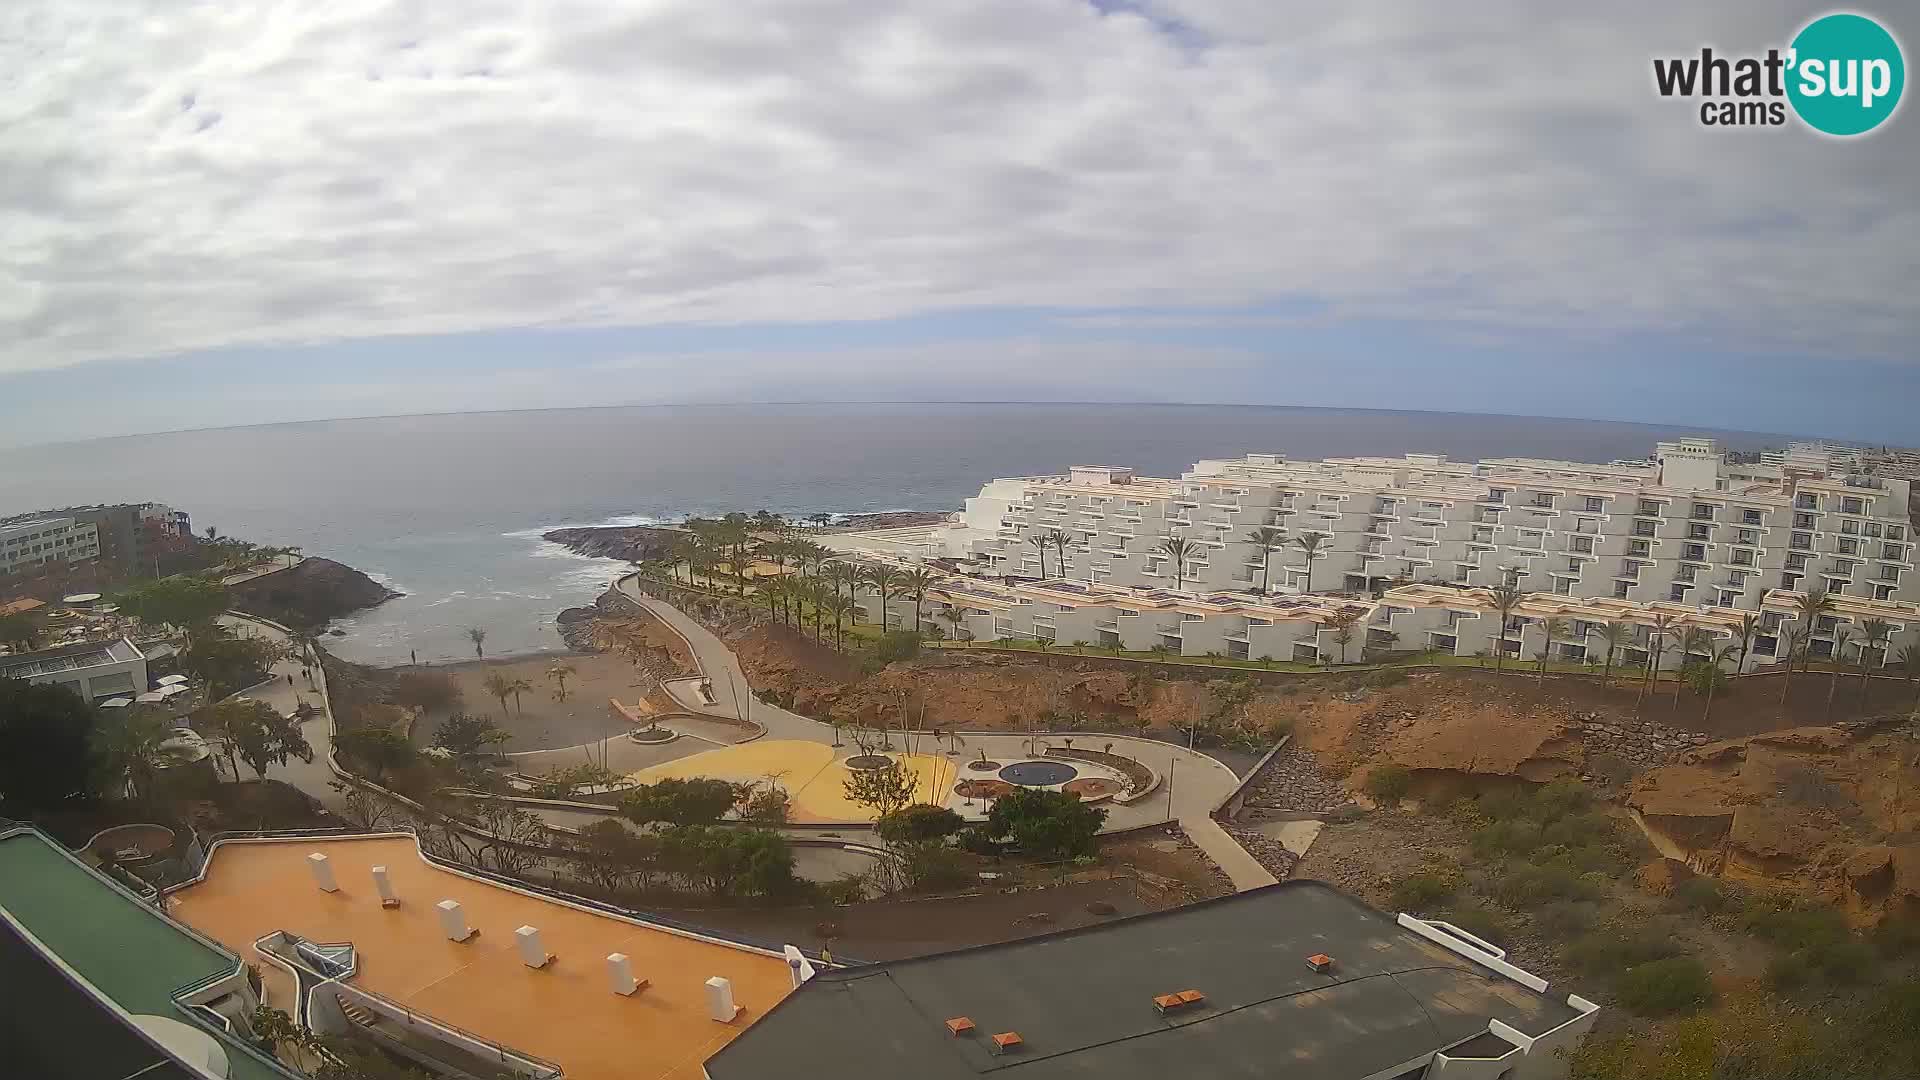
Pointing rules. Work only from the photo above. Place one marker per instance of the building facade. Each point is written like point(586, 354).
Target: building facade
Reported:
point(96, 670)
point(30, 544)
point(1689, 534)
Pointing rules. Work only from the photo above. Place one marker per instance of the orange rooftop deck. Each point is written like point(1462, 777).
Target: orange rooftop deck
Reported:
point(563, 1013)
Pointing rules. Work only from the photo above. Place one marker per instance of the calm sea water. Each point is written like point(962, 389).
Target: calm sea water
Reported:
point(449, 509)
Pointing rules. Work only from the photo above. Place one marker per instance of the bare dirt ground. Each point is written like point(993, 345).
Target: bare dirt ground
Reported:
point(540, 720)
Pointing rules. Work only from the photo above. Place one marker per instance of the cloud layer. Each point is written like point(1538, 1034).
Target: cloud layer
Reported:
point(187, 177)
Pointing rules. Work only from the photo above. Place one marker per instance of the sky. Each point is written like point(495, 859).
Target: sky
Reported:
point(230, 213)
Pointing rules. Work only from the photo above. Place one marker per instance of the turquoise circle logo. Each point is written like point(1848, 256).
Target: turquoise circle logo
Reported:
point(1845, 74)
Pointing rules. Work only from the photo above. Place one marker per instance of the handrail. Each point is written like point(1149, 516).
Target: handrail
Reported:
point(544, 1069)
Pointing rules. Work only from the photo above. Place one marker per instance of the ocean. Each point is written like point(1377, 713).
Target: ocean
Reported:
point(449, 509)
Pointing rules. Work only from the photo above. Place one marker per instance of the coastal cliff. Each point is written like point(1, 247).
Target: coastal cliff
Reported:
point(309, 594)
point(643, 543)
point(634, 543)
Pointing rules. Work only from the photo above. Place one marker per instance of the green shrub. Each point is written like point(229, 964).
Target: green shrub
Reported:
point(1580, 829)
point(1700, 894)
point(1422, 892)
point(1482, 922)
point(1612, 949)
point(1664, 987)
point(1560, 799)
point(1467, 812)
point(1504, 805)
point(895, 645)
point(1388, 784)
point(1796, 928)
point(1509, 837)
point(1525, 886)
point(1564, 919)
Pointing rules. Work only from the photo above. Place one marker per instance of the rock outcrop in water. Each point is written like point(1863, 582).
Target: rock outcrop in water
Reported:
point(309, 594)
point(634, 543)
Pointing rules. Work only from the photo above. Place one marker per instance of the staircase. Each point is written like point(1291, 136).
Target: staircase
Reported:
point(358, 1014)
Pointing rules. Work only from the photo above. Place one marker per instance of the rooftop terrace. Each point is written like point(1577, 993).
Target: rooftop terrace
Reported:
point(563, 1012)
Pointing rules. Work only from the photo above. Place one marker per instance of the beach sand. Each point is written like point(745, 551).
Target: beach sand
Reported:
point(541, 721)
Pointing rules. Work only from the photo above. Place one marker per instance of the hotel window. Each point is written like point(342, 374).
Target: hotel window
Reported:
point(1595, 504)
point(1648, 507)
point(1849, 547)
point(1800, 540)
point(1806, 502)
point(1573, 565)
point(1883, 592)
point(1896, 532)
point(1803, 521)
point(1620, 590)
point(1789, 582)
point(1677, 593)
point(1849, 527)
point(1843, 567)
point(1699, 532)
point(1850, 505)
point(1889, 573)
point(1582, 544)
point(1750, 517)
point(1702, 512)
point(1827, 623)
point(1746, 536)
point(1639, 548)
point(1695, 552)
point(1893, 551)
point(1643, 528)
point(1796, 562)
point(1872, 529)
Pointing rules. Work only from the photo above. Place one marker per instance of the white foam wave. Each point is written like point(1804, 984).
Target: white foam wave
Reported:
point(617, 521)
point(385, 581)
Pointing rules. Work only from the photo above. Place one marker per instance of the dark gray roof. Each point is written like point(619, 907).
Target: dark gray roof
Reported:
point(1082, 1001)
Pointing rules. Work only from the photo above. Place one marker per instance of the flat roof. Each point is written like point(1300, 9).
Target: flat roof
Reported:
point(563, 1013)
point(1082, 1001)
point(130, 952)
point(69, 658)
point(55, 1028)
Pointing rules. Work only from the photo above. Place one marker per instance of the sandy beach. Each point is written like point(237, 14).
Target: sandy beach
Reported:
point(541, 721)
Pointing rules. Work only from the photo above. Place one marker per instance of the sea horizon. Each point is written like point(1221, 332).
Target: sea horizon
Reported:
point(450, 508)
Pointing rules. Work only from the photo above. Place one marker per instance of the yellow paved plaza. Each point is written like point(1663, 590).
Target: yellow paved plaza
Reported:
point(809, 772)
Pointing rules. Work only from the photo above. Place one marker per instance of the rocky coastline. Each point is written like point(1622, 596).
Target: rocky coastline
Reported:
point(643, 543)
point(309, 594)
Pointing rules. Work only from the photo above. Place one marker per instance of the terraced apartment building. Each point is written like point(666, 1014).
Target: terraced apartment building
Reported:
point(1691, 532)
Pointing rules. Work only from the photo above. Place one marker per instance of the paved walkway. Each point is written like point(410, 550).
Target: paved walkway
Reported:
point(311, 777)
point(1192, 784)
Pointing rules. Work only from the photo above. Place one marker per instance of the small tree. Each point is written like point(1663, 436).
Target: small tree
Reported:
point(1342, 622)
point(46, 760)
point(500, 688)
point(1506, 597)
point(882, 790)
point(479, 638)
point(1046, 824)
point(468, 736)
point(377, 749)
point(695, 801)
point(921, 823)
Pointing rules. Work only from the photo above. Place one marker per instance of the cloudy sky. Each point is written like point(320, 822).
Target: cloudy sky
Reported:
point(230, 212)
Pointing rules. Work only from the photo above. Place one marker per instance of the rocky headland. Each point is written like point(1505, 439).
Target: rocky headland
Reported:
point(309, 594)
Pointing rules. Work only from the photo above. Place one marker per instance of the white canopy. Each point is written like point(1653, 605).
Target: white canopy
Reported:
point(174, 690)
point(150, 698)
point(169, 680)
point(117, 703)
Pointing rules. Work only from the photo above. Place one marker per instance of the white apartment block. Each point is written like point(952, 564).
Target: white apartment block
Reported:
point(27, 544)
point(1685, 533)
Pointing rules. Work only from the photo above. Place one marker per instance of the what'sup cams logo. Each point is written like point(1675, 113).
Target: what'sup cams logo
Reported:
point(1841, 75)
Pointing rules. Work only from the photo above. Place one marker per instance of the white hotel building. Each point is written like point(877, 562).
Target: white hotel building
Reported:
point(1414, 543)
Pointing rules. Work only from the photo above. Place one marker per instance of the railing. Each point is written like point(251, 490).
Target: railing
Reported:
point(538, 1068)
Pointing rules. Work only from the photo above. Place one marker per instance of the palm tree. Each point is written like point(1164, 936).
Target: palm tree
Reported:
point(1713, 681)
point(1615, 634)
point(1060, 538)
point(1841, 633)
point(1309, 543)
point(1796, 640)
point(478, 637)
point(1266, 538)
point(1179, 549)
point(560, 673)
point(1807, 611)
point(1876, 633)
point(518, 686)
point(955, 617)
point(1342, 623)
point(915, 583)
point(885, 580)
point(1749, 629)
point(500, 687)
point(842, 609)
point(1506, 597)
point(1554, 627)
point(1657, 630)
point(1039, 542)
point(1692, 640)
point(842, 573)
point(685, 549)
